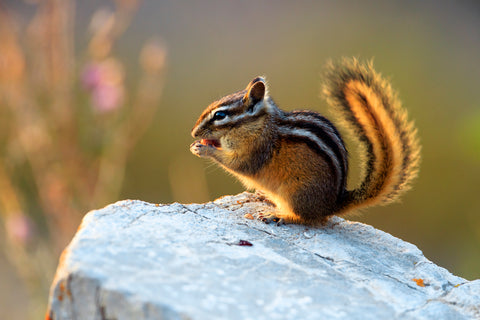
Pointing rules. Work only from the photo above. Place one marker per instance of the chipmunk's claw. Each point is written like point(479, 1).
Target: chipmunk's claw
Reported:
point(270, 217)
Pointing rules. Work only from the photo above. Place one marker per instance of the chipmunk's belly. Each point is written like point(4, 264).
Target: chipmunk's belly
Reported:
point(283, 177)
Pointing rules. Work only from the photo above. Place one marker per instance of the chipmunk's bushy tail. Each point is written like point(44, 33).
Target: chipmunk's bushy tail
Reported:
point(366, 105)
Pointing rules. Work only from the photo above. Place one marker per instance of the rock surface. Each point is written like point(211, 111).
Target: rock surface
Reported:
point(136, 260)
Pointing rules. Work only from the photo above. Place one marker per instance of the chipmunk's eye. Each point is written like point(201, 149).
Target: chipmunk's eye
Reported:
point(219, 115)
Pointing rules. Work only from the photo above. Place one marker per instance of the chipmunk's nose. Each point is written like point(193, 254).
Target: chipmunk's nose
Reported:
point(194, 132)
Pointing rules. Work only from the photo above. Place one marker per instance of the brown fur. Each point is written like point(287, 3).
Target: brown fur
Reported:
point(299, 177)
point(295, 189)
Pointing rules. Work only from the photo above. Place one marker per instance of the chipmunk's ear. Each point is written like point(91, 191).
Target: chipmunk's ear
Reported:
point(256, 91)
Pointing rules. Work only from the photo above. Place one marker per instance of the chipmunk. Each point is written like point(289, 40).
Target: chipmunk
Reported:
point(298, 159)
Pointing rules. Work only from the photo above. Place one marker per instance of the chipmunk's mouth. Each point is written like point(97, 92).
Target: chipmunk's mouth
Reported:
point(211, 142)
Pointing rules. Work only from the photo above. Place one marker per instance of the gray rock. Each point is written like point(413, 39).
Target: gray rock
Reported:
point(136, 260)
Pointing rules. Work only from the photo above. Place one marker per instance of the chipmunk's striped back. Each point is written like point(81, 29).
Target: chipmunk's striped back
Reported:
point(319, 134)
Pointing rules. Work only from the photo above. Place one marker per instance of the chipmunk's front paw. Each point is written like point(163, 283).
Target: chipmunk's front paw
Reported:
point(200, 149)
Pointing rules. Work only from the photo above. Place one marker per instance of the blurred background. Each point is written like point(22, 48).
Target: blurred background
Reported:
point(97, 99)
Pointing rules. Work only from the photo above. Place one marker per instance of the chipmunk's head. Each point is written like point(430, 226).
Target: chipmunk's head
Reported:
point(233, 113)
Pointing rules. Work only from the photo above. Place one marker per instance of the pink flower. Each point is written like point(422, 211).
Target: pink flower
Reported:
point(91, 76)
point(104, 81)
point(107, 97)
point(19, 228)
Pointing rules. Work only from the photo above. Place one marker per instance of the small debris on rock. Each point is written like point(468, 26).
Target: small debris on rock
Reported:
point(248, 216)
point(244, 243)
point(419, 282)
point(308, 234)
